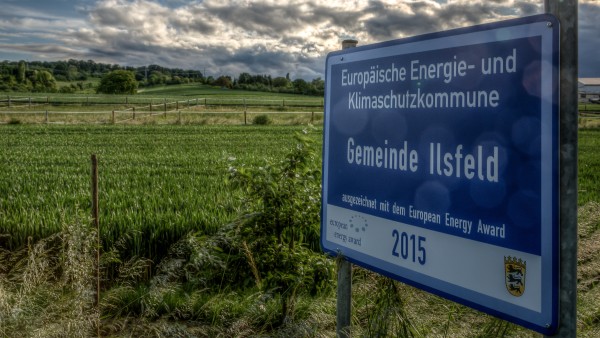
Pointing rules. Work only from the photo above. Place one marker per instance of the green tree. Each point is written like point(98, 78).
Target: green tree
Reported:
point(245, 78)
point(223, 81)
point(72, 73)
point(43, 81)
point(118, 82)
point(21, 72)
point(300, 86)
point(281, 82)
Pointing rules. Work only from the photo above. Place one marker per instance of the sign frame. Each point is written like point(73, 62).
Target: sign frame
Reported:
point(544, 318)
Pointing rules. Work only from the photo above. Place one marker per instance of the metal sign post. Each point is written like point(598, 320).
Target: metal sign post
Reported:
point(566, 13)
point(344, 277)
point(441, 168)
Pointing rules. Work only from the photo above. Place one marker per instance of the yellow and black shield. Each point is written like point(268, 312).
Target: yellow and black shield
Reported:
point(514, 275)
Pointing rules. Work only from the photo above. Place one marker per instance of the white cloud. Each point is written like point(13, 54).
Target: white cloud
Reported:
point(268, 36)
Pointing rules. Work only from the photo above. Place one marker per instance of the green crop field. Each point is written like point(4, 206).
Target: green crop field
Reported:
point(161, 181)
point(161, 184)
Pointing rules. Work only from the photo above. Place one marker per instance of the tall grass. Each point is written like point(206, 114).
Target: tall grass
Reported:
point(46, 288)
point(589, 162)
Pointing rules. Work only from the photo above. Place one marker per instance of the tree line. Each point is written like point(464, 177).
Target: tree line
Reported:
point(44, 76)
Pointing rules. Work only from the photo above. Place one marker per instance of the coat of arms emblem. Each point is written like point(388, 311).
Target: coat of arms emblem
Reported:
point(514, 275)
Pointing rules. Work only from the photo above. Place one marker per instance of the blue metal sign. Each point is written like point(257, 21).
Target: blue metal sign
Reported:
point(440, 164)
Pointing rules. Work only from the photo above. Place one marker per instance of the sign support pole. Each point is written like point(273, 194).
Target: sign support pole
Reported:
point(344, 276)
point(566, 12)
point(344, 297)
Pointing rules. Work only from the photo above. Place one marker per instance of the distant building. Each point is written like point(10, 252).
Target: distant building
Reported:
point(588, 88)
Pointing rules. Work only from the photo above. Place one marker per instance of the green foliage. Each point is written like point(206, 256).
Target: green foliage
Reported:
point(43, 82)
point(281, 237)
point(118, 82)
point(21, 72)
point(223, 82)
point(262, 119)
point(286, 195)
point(28, 80)
point(281, 82)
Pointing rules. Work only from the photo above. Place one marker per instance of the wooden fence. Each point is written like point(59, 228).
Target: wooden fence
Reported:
point(123, 109)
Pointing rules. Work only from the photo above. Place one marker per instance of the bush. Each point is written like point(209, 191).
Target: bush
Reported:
point(262, 119)
point(281, 234)
point(118, 82)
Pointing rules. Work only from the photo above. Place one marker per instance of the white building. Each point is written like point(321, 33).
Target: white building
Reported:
point(589, 88)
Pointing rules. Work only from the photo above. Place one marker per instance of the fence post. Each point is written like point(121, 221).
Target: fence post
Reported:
point(46, 115)
point(179, 118)
point(126, 100)
point(176, 104)
point(8, 101)
point(97, 226)
point(245, 118)
point(133, 113)
point(30, 102)
point(312, 117)
point(165, 102)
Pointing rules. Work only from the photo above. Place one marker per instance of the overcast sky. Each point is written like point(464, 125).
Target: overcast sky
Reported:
point(227, 37)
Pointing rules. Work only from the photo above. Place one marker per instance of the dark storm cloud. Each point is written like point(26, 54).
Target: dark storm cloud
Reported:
point(457, 15)
point(393, 22)
point(109, 16)
point(39, 48)
point(198, 25)
point(528, 8)
point(343, 17)
point(272, 20)
point(421, 17)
